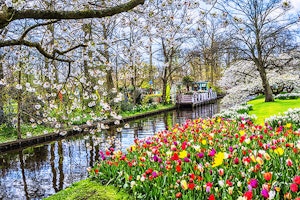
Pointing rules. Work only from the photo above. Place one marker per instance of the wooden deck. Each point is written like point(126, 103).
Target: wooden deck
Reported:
point(195, 99)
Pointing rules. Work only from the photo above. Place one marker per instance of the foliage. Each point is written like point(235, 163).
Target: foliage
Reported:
point(168, 94)
point(218, 89)
point(150, 98)
point(137, 109)
point(88, 189)
point(187, 80)
point(207, 159)
point(289, 118)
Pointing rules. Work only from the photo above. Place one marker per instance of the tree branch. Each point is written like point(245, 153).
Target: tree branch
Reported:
point(41, 49)
point(8, 15)
point(34, 26)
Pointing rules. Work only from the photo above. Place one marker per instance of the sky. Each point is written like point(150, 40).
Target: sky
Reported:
point(296, 5)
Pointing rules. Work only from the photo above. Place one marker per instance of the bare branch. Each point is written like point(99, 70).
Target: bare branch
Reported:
point(35, 26)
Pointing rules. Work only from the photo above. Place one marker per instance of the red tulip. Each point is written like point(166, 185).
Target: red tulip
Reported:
point(178, 195)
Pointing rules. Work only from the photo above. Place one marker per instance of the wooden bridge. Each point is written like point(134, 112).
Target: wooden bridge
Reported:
point(195, 99)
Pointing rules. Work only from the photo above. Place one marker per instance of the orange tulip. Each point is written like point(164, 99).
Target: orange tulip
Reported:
point(268, 176)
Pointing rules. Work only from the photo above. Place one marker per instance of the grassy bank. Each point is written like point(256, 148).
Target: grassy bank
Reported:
point(264, 110)
point(88, 189)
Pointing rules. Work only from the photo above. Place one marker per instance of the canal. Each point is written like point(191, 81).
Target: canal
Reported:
point(40, 171)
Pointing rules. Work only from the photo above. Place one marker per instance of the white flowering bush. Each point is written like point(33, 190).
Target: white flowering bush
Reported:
point(239, 113)
point(290, 117)
point(288, 96)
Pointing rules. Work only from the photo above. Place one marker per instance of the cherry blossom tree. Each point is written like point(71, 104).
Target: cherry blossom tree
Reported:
point(242, 81)
point(58, 85)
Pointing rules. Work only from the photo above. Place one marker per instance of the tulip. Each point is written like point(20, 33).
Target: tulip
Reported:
point(253, 182)
point(265, 193)
point(267, 176)
point(289, 162)
point(296, 180)
point(294, 187)
point(178, 195)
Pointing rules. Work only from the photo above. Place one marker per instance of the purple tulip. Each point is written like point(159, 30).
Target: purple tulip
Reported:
point(154, 174)
point(265, 193)
point(200, 155)
point(253, 183)
point(212, 152)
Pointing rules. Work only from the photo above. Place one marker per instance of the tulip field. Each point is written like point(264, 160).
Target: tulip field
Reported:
point(207, 159)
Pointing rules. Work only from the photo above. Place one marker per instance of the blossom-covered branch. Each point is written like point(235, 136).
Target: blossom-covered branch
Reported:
point(10, 14)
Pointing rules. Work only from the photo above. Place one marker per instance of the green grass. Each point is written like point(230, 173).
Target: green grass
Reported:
point(159, 107)
point(10, 134)
point(91, 190)
point(264, 110)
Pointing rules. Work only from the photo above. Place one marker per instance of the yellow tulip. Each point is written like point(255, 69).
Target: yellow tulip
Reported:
point(259, 160)
point(184, 184)
point(242, 132)
point(288, 125)
point(279, 151)
point(183, 154)
point(218, 159)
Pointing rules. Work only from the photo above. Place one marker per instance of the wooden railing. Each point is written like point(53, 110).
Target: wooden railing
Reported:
point(196, 98)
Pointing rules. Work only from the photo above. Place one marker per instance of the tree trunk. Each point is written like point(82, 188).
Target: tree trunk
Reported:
point(265, 83)
point(109, 71)
point(19, 110)
point(164, 92)
point(1, 94)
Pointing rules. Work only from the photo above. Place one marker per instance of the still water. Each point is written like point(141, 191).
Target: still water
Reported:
point(40, 171)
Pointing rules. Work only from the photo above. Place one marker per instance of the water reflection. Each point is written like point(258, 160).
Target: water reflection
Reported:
point(38, 172)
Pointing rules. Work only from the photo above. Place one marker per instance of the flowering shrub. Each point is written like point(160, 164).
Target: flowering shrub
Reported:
point(288, 96)
point(207, 159)
point(290, 117)
point(239, 112)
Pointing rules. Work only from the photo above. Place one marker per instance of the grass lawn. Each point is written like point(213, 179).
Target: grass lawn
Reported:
point(91, 190)
point(264, 110)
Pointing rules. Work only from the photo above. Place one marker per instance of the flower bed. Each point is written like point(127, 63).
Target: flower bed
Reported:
point(290, 118)
point(207, 159)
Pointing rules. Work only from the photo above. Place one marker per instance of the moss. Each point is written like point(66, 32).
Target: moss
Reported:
point(90, 190)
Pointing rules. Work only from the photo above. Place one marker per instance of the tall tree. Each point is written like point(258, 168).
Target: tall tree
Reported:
point(259, 27)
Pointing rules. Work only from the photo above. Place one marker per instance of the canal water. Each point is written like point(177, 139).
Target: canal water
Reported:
point(40, 171)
